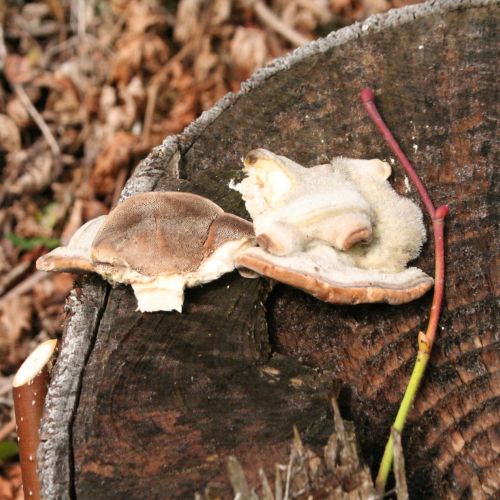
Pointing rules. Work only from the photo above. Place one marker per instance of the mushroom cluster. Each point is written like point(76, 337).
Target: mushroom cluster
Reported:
point(338, 231)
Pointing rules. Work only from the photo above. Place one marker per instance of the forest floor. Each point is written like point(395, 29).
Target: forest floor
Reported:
point(87, 88)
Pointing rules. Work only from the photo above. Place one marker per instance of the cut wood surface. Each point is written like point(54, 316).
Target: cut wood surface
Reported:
point(151, 405)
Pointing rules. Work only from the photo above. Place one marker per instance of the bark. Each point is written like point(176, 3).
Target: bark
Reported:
point(153, 404)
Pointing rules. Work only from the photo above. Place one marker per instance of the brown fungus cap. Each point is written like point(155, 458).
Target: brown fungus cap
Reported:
point(157, 233)
point(160, 243)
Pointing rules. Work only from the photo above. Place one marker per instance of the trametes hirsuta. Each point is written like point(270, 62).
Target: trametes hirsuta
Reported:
point(338, 231)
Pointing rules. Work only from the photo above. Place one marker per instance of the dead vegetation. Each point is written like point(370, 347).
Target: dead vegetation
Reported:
point(87, 89)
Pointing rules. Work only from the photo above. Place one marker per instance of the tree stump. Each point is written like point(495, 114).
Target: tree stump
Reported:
point(151, 405)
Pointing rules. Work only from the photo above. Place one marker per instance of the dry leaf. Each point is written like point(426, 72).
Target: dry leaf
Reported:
point(127, 61)
point(18, 69)
point(319, 8)
point(133, 96)
point(119, 6)
point(18, 112)
point(116, 156)
point(93, 209)
point(49, 296)
point(205, 61)
point(175, 103)
point(107, 100)
point(36, 167)
point(6, 492)
point(220, 12)
point(248, 50)
point(155, 53)
point(339, 5)
point(374, 7)
point(138, 52)
point(64, 101)
point(143, 15)
point(5, 263)
point(11, 484)
point(15, 318)
point(73, 223)
point(52, 290)
point(10, 139)
point(187, 24)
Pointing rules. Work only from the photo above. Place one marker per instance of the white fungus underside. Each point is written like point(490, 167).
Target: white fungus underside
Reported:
point(166, 292)
point(330, 266)
point(317, 196)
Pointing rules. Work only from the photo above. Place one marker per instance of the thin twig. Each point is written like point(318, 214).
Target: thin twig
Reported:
point(81, 20)
point(152, 95)
point(23, 287)
point(154, 88)
point(289, 475)
point(7, 429)
point(3, 49)
point(399, 467)
point(5, 385)
point(120, 180)
point(38, 119)
point(367, 97)
point(16, 272)
point(425, 340)
point(89, 39)
point(271, 20)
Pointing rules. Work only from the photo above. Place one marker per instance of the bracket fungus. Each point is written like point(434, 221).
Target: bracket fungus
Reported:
point(338, 231)
point(157, 242)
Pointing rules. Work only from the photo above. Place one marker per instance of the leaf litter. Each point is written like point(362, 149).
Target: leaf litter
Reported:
point(87, 90)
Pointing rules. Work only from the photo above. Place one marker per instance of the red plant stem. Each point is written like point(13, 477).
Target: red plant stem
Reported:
point(439, 273)
point(425, 341)
point(367, 98)
point(437, 215)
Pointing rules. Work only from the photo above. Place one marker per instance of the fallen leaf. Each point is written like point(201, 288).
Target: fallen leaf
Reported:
point(187, 23)
point(220, 12)
point(53, 290)
point(18, 69)
point(15, 318)
point(248, 50)
point(11, 484)
point(63, 102)
point(205, 61)
point(10, 139)
point(138, 52)
point(117, 155)
point(18, 112)
point(36, 167)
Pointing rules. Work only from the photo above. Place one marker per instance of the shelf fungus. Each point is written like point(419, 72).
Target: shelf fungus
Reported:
point(338, 231)
point(159, 243)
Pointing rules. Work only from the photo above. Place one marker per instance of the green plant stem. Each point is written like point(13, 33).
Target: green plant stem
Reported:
point(425, 340)
point(399, 422)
